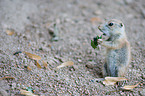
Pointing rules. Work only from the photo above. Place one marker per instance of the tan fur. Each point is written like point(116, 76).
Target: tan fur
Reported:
point(118, 49)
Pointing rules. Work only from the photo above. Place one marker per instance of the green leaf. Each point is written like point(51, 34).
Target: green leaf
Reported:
point(97, 37)
point(96, 42)
point(100, 37)
point(93, 45)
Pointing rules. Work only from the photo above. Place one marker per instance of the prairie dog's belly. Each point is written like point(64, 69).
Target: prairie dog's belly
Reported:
point(117, 56)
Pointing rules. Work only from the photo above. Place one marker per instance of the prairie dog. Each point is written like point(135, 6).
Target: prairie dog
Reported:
point(118, 48)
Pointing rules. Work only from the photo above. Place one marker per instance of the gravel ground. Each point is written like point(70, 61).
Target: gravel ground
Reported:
point(59, 31)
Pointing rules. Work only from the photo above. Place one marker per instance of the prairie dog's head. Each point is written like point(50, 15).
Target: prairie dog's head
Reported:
point(112, 27)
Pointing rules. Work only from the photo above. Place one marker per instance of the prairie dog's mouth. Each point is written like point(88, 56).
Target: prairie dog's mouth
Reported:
point(102, 31)
point(105, 37)
point(104, 34)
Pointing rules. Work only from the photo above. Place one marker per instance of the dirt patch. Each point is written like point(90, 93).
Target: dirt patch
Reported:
point(34, 24)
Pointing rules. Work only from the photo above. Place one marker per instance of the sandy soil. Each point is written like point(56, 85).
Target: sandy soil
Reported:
point(76, 21)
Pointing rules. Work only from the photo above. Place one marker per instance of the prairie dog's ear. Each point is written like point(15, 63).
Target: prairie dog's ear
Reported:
point(121, 25)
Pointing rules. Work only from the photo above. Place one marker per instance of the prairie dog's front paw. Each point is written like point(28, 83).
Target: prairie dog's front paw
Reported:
point(99, 41)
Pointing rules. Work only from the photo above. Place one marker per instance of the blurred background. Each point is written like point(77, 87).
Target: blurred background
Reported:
point(59, 31)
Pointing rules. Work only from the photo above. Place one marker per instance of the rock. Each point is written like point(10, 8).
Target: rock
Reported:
point(128, 1)
point(143, 76)
point(98, 12)
point(79, 60)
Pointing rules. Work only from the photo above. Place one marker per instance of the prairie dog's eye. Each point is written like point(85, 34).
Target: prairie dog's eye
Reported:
point(121, 24)
point(110, 24)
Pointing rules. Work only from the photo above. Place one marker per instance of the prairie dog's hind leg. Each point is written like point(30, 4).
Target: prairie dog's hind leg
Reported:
point(104, 69)
point(122, 71)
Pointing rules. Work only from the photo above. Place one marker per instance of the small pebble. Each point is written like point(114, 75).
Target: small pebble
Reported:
point(92, 80)
point(143, 76)
point(142, 92)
